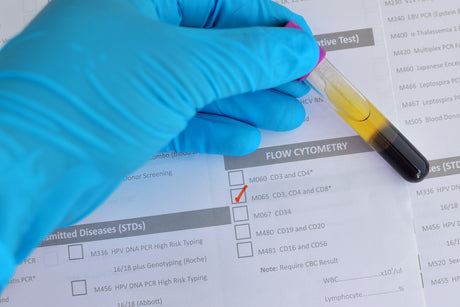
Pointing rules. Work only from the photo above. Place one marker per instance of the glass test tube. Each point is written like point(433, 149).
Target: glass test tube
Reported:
point(368, 122)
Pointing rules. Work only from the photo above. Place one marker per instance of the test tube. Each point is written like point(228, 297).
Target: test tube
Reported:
point(367, 121)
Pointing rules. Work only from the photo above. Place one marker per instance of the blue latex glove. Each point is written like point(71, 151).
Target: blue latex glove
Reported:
point(91, 89)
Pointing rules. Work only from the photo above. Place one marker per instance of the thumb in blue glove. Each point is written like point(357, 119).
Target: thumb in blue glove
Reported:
point(90, 91)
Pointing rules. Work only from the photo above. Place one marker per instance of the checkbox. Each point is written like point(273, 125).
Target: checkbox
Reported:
point(244, 249)
point(75, 251)
point(234, 193)
point(79, 287)
point(235, 178)
point(240, 214)
point(242, 232)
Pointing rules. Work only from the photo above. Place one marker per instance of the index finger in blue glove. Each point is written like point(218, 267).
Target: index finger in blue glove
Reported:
point(269, 109)
point(215, 134)
point(228, 126)
point(294, 89)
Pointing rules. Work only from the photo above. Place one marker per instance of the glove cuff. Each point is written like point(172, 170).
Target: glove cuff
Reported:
point(7, 266)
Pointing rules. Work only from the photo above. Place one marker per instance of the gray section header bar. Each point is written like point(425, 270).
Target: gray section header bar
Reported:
point(444, 167)
point(299, 152)
point(140, 226)
point(346, 40)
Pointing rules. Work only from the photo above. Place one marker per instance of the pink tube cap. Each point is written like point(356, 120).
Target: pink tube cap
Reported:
point(322, 53)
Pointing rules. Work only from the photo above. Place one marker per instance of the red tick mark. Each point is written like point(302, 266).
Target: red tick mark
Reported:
point(241, 194)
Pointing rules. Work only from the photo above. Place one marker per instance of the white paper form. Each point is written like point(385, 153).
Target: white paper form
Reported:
point(424, 51)
point(15, 15)
point(323, 220)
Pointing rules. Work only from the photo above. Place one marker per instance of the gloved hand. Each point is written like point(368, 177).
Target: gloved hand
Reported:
point(92, 89)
